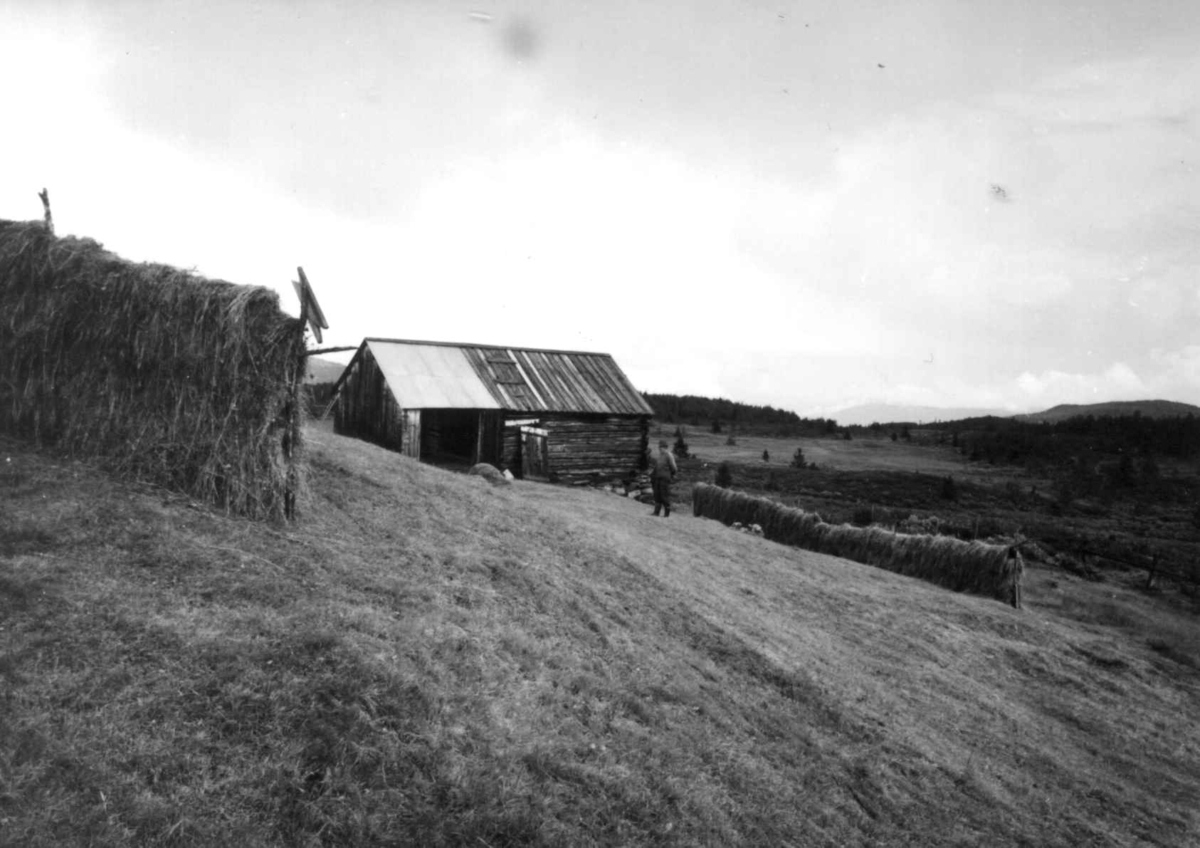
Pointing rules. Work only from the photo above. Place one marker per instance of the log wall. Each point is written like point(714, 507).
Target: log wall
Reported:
point(584, 448)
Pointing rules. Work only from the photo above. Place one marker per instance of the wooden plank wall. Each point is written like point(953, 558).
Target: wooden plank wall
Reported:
point(585, 448)
point(510, 449)
point(366, 408)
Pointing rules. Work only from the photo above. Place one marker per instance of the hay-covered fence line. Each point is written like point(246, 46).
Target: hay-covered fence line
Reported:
point(994, 571)
point(161, 375)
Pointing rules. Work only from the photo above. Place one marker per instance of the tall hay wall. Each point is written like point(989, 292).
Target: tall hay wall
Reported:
point(994, 571)
point(161, 375)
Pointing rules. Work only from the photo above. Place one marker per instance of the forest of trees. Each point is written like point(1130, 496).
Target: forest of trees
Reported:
point(1013, 441)
point(723, 415)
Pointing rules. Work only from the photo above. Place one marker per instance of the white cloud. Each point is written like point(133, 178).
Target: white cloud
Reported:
point(1117, 382)
point(504, 216)
point(623, 242)
point(1178, 375)
point(1108, 92)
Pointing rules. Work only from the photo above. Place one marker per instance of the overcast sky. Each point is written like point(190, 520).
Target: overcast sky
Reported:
point(811, 205)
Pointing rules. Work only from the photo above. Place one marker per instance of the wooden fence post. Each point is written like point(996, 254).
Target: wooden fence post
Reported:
point(45, 196)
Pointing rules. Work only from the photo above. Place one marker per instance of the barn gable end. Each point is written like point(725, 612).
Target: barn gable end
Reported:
point(566, 416)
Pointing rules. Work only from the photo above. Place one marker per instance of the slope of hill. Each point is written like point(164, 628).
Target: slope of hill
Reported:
point(1147, 408)
point(321, 370)
point(427, 660)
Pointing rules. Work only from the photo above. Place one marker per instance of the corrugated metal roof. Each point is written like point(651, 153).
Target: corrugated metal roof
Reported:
point(439, 375)
point(431, 377)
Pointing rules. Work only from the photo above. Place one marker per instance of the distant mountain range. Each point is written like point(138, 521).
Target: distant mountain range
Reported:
point(885, 413)
point(1116, 408)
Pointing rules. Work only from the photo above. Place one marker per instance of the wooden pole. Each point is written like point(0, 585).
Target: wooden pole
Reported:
point(45, 196)
point(293, 420)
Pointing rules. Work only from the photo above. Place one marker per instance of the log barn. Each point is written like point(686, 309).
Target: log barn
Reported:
point(557, 415)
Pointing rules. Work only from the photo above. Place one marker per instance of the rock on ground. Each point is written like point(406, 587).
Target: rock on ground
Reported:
point(490, 473)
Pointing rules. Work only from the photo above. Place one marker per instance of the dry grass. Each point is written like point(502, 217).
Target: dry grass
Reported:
point(994, 571)
point(169, 378)
point(432, 661)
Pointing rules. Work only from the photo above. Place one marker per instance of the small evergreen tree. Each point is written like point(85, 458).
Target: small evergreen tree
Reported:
point(724, 477)
point(680, 449)
point(766, 456)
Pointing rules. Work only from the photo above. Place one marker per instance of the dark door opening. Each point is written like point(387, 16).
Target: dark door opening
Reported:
point(449, 436)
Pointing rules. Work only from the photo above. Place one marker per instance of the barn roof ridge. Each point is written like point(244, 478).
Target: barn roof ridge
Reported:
point(490, 346)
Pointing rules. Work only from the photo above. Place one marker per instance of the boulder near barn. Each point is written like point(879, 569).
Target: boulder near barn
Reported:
point(557, 415)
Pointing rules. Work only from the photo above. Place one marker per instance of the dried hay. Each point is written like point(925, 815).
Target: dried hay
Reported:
point(164, 376)
point(994, 571)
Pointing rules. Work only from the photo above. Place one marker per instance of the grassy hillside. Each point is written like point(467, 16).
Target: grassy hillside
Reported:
point(321, 370)
point(426, 660)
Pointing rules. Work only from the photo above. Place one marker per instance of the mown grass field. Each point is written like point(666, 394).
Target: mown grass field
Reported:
point(426, 660)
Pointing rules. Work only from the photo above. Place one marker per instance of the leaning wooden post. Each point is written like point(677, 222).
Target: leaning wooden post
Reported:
point(293, 419)
point(312, 317)
point(45, 196)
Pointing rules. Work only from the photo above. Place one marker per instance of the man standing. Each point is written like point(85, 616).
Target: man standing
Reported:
point(661, 475)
